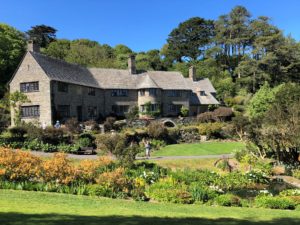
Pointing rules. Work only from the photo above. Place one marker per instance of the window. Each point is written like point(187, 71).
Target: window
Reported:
point(63, 111)
point(120, 109)
point(29, 87)
point(150, 108)
point(142, 92)
point(62, 87)
point(174, 108)
point(91, 91)
point(152, 92)
point(202, 93)
point(119, 93)
point(30, 111)
point(174, 93)
point(92, 112)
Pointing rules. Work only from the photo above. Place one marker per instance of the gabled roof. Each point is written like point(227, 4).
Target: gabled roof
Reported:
point(169, 80)
point(144, 81)
point(60, 70)
point(108, 78)
point(202, 85)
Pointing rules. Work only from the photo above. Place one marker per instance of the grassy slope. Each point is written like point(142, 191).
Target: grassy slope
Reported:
point(207, 148)
point(32, 208)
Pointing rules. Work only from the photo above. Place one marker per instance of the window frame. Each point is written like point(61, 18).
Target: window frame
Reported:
point(202, 93)
point(27, 87)
point(91, 91)
point(119, 93)
point(32, 111)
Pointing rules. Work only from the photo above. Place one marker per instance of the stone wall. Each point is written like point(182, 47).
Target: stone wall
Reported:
point(77, 95)
point(30, 71)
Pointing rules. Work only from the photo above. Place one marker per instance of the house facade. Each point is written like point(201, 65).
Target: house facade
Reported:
point(59, 90)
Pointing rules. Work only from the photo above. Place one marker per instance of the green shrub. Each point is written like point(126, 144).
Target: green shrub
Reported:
point(202, 177)
point(173, 134)
point(290, 192)
point(201, 193)
point(274, 202)
point(157, 144)
point(73, 125)
point(18, 133)
point(296, 173)
point(206, 117)
point(109, 123)
point(157, 130)
point(53, 136)
point(168, 190)
point(184, 111)
point(228, 200)
point(258, 177)
point(211, 129)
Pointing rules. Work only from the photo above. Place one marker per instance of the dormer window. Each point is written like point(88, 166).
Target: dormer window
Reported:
point(29, 87)
point(202, 93)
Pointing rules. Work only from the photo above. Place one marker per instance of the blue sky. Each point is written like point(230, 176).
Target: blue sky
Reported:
point(139, 24)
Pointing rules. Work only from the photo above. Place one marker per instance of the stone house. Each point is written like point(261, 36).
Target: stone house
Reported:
point(60, 90)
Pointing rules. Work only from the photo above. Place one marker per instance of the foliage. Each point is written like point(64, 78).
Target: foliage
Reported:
point(157, 130)
point(12, 48)
point(184, 111)
point(262, 101)
point(72, 125)
point(133, 113)
point(211, 129)
point(167, 190)
point(109, 123)
point(42, 34)
point(274, 202)
point(190, 38)
point(296, 173)
point(16, 99)
point(277, 134)
point(228, 200)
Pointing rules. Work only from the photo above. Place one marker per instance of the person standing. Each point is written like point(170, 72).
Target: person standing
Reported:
point(147, 148)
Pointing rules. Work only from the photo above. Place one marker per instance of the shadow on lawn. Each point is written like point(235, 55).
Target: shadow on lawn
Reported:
point(58, 219)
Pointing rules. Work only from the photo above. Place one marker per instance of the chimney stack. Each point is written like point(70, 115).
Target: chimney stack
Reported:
point(131, 64)
point(32, 46)
point(192, 73)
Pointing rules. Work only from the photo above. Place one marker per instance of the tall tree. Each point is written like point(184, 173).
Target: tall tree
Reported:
point(42, 34)
point(12, 48)
point(190, 38)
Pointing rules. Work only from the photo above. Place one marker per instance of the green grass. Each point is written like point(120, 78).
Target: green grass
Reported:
point(207, 148)
point(175, 164)
point(33, 208)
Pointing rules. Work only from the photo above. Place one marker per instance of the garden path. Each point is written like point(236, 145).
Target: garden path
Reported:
point(72, 156)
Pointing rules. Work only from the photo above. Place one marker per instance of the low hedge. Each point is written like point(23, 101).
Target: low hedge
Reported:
point(275, 202)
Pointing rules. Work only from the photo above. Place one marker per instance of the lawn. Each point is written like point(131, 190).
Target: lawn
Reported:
point(206, 148)
point(33, 208)
point(187, 163)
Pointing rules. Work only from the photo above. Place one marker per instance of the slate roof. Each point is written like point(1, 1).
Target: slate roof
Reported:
point(60, 70)
point(202, 85)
